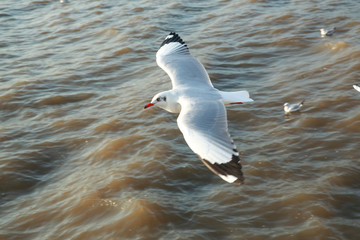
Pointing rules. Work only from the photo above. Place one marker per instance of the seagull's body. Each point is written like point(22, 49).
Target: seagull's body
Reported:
point(357, 87)
point(202, 119)
point(325, 32)
point(288, 108)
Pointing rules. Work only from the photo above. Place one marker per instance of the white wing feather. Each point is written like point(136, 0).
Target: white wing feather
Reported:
point(205, 131)
point(183, 69)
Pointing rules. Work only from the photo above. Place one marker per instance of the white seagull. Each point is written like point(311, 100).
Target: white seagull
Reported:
point(202, 119)
point(293, 107)
point(325, 32)
point(357, 87)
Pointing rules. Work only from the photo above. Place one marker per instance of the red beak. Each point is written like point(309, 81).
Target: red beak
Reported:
point(149, 105)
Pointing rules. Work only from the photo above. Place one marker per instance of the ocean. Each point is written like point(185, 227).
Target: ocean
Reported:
point(80, 157)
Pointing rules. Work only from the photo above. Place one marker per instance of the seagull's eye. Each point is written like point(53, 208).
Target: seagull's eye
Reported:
point(164, 99)
point(158, 99)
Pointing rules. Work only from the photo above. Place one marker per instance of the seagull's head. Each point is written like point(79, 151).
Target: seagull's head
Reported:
point(286, 104)
point(165, 100)
point(158, 100)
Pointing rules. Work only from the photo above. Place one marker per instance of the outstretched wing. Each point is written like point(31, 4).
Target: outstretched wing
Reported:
point(183, 69)
point(204, 126)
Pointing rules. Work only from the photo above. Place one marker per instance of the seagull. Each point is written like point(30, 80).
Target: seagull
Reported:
point(293, 107)
point(357, 87)
point(202, 119)
point(325, 32)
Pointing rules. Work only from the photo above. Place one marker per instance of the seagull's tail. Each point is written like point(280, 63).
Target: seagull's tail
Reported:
point(235, 97)
point(302, 102)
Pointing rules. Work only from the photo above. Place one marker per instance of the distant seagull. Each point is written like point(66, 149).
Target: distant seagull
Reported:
point(357, 87)
point(202, 119)
point(293, 107)
point(325, 32)
point(64, 1)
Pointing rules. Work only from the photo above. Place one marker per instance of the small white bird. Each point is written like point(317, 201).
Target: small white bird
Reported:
point(64, 1)
point(357, 87)
point(293, 107)
point(325, 32)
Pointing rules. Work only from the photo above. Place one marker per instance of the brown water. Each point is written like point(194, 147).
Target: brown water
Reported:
point(81, 159)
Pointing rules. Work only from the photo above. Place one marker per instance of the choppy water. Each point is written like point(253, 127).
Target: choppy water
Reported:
point(81, 159)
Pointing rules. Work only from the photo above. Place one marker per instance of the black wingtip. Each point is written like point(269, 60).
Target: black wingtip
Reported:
point(232, 168)
point(239, 181)
point(173, 37)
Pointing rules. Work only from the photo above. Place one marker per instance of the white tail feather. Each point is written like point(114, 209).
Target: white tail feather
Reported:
point(235, 97)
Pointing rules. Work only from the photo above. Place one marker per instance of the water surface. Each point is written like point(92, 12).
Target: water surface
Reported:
point(81, 159)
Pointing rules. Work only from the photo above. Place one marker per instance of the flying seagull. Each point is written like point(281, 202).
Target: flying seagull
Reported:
point(293, 107)
point(202, 119)
point(325, 32)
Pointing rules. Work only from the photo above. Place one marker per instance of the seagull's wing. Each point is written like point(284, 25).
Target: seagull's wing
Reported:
point(184, 70)
point(204, 126)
